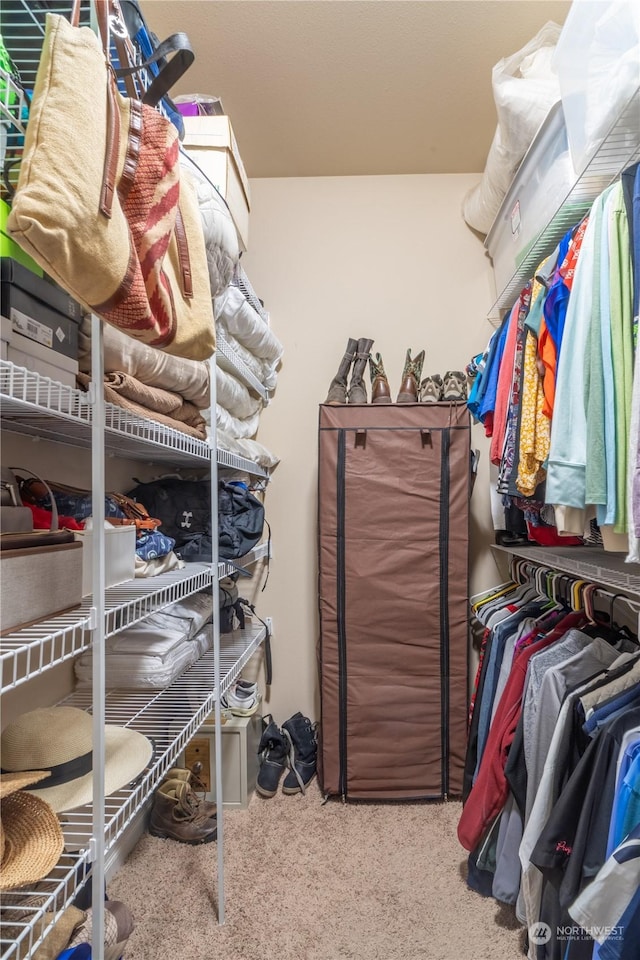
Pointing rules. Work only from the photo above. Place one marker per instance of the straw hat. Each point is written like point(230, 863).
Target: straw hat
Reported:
point(31, 839)
point(60, 740)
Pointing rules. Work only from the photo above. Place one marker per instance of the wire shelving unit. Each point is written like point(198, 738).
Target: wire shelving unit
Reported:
point(35, 406)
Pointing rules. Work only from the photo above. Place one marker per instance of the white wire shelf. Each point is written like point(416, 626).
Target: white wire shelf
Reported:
point(37, 406)
point(621, 148)
point(23, 927)
point(169, 718)
point(33, 650)
point(226, 567)
point(34, 405)
point(588, 563)
point(240, 368)
point(233, 462)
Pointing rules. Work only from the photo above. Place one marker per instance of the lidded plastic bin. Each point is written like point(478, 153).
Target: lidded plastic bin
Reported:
point(542, 182)
point(597, 60)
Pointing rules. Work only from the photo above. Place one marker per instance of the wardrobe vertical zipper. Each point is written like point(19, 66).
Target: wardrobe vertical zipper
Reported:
point(342, 639)
point(444, 607)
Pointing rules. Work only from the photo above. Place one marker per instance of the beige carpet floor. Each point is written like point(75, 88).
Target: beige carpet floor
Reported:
point(307, 881)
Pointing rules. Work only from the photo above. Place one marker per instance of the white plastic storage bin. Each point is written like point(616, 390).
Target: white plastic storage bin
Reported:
point(120, 555)
point(541, 184)
point(597, 60)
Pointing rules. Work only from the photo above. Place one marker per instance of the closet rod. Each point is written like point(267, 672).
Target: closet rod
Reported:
point(522, 570)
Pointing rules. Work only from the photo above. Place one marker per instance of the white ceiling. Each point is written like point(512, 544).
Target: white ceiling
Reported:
point(353, 87)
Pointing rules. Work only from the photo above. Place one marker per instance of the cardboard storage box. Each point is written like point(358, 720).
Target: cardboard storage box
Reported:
point(39, 310)
point(212, 144)
point(120, 556)
point(38, 582)
point(240, 739)
point(28, 353)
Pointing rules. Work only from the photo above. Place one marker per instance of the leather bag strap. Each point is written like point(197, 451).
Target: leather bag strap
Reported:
point(169, 73)
point(112, 146)
point(183, 256)
point(75, 13)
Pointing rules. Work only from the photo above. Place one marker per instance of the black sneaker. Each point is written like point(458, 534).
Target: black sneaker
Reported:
point(303, 752)
point(273, 751)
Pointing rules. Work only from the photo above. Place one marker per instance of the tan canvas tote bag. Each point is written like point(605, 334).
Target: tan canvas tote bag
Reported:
point(101, 203)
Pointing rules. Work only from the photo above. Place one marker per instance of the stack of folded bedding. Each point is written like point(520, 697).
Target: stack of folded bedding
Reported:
point(250, 449)
point(175, 391)
point(152, 654)
point(247, 333)
point(148, 382)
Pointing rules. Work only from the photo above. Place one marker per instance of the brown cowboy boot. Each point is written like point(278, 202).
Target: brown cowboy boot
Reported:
point(338, 389)
point(411, 378)
point(357, 388)
point(380, 390)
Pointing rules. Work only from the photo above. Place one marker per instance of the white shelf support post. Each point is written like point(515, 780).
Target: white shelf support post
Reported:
point(98, 587)
point(217, 677)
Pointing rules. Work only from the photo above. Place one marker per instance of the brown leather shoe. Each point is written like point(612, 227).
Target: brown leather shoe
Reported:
point(192, 777)
point(176, 815)
point(411, 374)
point(380, 390)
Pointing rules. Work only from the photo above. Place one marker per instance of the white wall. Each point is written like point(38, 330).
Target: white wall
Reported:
point(385, 257)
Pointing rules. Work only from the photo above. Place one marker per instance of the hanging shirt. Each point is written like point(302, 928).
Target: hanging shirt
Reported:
point(605, 904)
point(535, 428)
point(555, 307)
point(508, 464)
point(548, 352)
point(567, 454)
point(595, 465)
point(621, 344)
point(607, 514)
point(486, 399)
point(503, 387)
point(631, 190)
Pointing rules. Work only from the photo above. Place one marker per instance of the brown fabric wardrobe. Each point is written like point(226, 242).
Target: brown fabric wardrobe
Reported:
point(393, 517)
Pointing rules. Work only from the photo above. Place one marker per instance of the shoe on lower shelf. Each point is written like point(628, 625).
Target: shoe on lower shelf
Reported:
point(241, 702)
point(177, 815)
point(192, 777)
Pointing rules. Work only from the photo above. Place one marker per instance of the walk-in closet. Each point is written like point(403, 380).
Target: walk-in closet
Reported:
point(320, 479)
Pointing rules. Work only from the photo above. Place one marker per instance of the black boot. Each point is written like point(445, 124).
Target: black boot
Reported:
point(303, 752)
point(338, 388)
point(357, 387)
point(273, 750)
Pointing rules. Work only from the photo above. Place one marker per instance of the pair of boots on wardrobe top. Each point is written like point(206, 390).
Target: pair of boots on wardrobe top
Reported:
point(358, 353)
point(293, 746)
